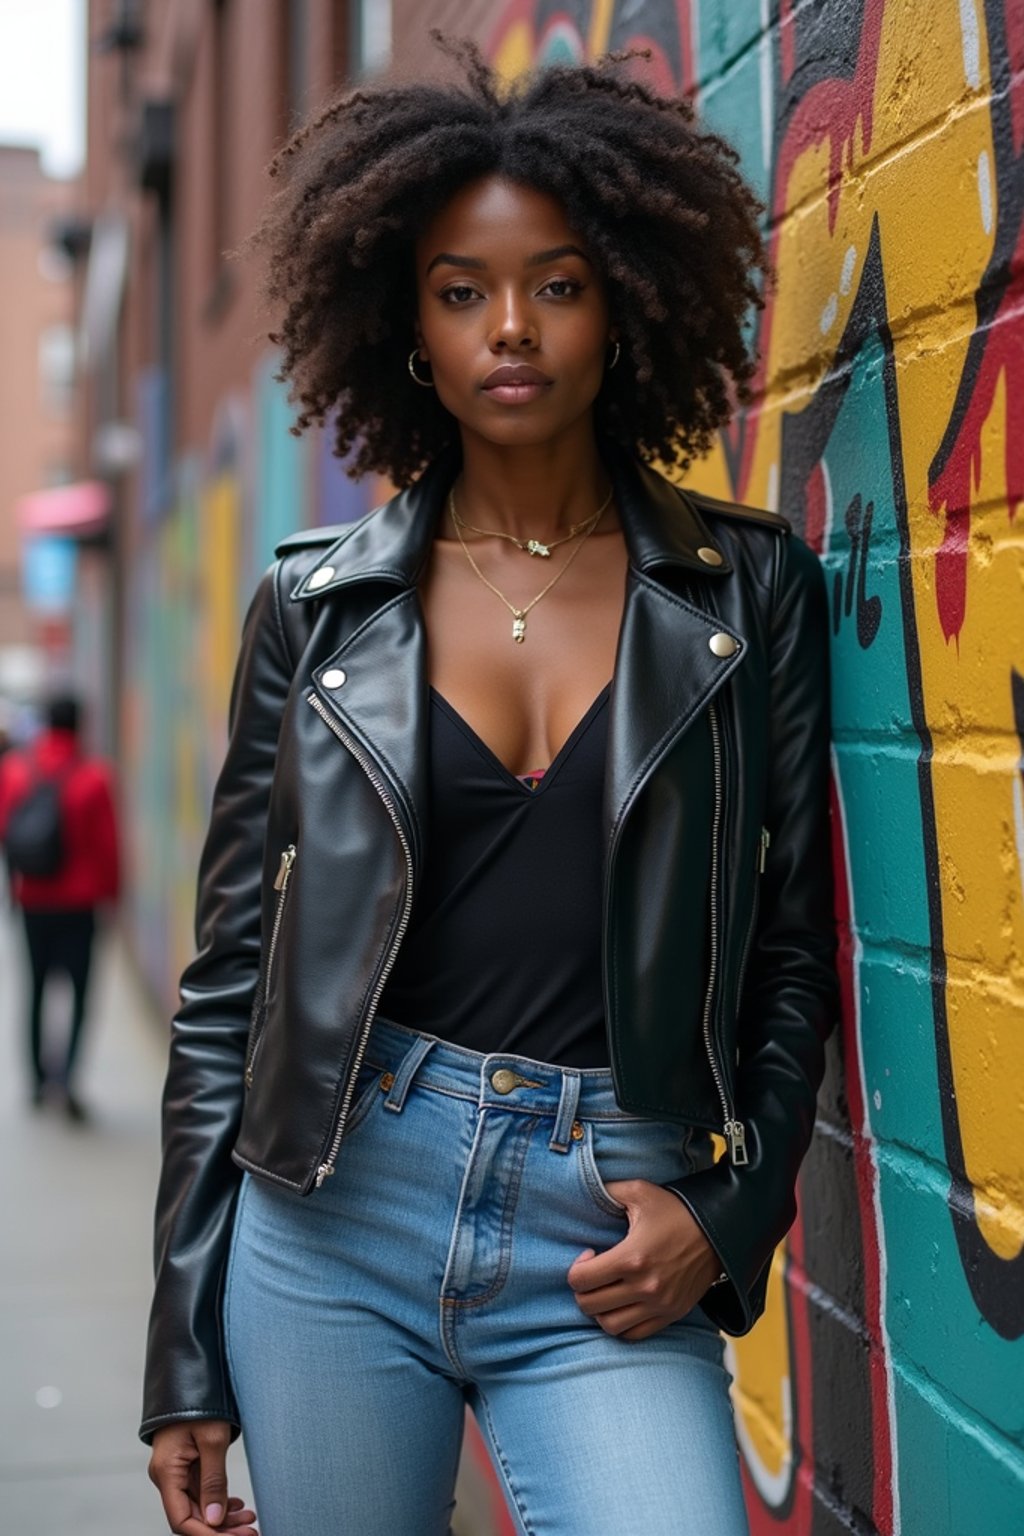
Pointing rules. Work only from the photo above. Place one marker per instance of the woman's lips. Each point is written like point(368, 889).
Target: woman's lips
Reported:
point(515, 383)
point(514, 394)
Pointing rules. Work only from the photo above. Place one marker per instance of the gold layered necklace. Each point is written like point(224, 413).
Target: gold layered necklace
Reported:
point(582, 531)
point(533, 546)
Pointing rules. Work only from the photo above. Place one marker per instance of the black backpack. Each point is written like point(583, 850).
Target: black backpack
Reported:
point(34, 840)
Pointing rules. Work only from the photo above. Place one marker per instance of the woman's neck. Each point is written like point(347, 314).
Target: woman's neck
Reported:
point(538, 491)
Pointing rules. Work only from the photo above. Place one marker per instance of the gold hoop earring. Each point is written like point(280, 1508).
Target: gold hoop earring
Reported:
point(618, 353)
point(423, 383)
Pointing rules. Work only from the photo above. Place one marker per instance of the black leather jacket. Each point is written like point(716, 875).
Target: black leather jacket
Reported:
point(718, 928)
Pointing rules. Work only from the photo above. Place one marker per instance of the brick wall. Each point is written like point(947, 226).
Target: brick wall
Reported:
point(219, 479)
point(36, 425)
point(882, 1389)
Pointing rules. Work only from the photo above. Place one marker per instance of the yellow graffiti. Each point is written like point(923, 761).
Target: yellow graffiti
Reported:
point(221, 512)
point(601, 18)
point(763, 1394)
point(928, 177)
point(515, 52)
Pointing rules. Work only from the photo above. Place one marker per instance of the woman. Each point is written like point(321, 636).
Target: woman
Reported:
point(517, 883)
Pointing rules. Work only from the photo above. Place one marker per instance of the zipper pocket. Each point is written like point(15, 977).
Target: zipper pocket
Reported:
point(764, 842)
point(732, 1129)
point(284, 874)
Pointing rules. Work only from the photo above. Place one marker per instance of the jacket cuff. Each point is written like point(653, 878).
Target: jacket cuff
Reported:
point(735, 1303)
point(149, 1427)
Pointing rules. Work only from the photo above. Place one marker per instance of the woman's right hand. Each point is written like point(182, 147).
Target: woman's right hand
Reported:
point(189, 1468)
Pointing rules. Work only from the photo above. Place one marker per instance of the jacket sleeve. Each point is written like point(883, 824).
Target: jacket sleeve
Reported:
point(186, 1373)
point(790, 997)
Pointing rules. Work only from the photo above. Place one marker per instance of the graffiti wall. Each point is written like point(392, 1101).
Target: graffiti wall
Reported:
point(883, 1391)
point(193, 574)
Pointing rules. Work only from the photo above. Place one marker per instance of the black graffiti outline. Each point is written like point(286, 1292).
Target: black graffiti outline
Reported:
point(858, 519)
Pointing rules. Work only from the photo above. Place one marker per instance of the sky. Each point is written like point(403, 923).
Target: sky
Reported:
point(42, 79)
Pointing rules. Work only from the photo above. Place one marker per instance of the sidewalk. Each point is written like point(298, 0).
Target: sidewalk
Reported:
point(75, 1269)
point(75, 1277)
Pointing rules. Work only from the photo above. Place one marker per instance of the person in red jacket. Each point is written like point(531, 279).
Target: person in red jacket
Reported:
point(59, 908)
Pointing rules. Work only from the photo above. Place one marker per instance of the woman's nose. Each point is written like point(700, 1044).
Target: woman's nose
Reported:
point(513, 325)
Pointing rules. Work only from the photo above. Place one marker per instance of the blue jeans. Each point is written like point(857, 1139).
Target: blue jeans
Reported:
point(430, 1272)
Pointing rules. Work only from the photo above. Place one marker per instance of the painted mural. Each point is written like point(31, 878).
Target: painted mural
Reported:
point(883, 1391)
point(198, 563)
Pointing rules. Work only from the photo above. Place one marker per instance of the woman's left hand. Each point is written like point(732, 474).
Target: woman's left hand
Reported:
point(658, 1272)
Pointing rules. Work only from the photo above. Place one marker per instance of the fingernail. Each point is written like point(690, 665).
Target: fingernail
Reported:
point(213, 1513)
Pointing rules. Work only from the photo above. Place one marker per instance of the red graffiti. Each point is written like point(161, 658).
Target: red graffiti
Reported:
point(830, 110)
point(1014, 15)
point(951, 489)
point(815, 508)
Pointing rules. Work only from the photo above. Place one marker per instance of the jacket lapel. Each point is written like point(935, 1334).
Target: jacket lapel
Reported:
point(665, 673)
point(375, 687)
point(375, 683)
point(666, 670)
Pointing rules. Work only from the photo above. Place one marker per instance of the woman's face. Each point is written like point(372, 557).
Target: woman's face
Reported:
point(512, 318)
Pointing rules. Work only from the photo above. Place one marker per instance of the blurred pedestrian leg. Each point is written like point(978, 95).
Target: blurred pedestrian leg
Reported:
point(59, 831)
point(57, 941)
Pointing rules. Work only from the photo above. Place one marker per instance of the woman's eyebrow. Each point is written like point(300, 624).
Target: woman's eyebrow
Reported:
point(455, 261)
point(448, 258)
point(555, 252)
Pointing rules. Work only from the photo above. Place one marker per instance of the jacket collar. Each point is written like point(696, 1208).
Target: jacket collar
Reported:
point(660, 523)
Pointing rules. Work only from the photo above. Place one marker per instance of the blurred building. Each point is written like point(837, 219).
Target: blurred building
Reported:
point(38, 446)
point(180, 414)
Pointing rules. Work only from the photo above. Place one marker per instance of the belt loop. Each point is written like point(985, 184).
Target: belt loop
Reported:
point(406, 1072)
point(567, 1105)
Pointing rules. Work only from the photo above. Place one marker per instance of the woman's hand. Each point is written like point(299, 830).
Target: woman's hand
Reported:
point(658, 1272)
point(189, 1468)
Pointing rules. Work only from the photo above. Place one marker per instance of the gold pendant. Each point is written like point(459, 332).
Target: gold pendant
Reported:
point(519, 629)
point(535, 547)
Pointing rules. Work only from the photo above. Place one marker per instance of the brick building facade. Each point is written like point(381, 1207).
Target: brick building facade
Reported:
point(37, 424)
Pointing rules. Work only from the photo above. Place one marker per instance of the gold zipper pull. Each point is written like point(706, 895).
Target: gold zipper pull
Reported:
point(766, 838)
point(736, 1136)
point(285, 867)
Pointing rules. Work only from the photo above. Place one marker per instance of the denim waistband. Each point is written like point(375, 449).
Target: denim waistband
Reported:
point(496, 1080)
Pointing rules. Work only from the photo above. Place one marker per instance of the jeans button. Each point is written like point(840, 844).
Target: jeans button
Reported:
point(503, 1081)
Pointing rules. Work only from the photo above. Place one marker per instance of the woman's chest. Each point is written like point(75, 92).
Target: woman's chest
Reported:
point(524, 696)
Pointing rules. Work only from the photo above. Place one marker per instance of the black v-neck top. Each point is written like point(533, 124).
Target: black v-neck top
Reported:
point(503, 948)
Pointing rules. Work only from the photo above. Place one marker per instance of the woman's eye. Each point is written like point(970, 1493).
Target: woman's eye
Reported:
point(458, 294)
point(565, 285)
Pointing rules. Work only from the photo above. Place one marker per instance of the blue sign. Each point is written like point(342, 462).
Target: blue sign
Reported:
point(48, 573)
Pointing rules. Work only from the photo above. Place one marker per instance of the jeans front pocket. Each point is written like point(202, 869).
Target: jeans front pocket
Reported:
point(367, 1090)
point(610, 1150)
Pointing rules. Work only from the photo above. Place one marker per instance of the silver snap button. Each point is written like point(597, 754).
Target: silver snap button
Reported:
point(335, 678)
point(708, 555)
point(722, 644)
point(321, 577)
